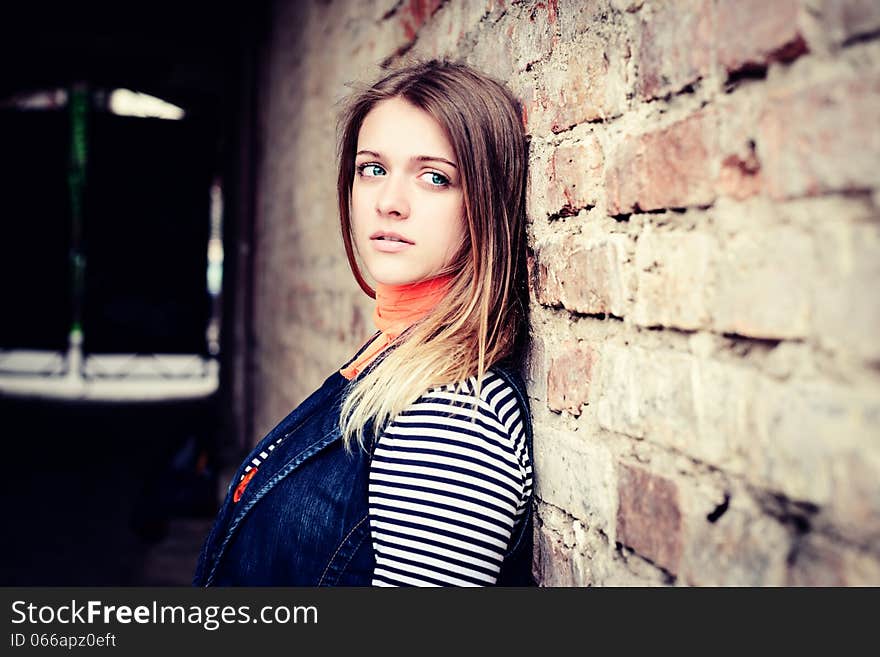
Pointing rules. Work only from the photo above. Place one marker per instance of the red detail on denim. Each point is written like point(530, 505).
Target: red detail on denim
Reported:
point(239, 490)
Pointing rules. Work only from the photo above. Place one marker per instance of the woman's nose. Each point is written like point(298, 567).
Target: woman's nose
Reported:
point(392, 199)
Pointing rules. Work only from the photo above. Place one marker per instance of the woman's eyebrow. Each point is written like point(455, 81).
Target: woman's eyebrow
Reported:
point(434, 158)
point(414, 158)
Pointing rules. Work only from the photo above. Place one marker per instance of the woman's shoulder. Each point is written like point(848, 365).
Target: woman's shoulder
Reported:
point(483, 427)
point(495, 389)
point(491, 409)
point(467, 388)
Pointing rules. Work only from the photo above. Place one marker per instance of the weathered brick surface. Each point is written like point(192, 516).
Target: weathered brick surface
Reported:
point(846, 307)
point(412, 14)
point(574, 93)
point(740, 175)
point(570, 554)
point(536, 369)
point(646, 394)
point(553, 563)
point(847, 20)
point(585, 278)
point(581, 479)
point(674, 46)
point(634, 399)
point(449, 28)
point(576, 17)
point(568, 377)
point(534, 34)
point(752, 33)
point(574, 177)
point(765, 194)
point(673, 270)
point(629, 6)
point(817, 443)
point(565, 553)
point(538, 206)
point(723, 406)
point(730, 541)
point(822, 138)
point(649, 518)
point(566, 179)
point(809, 443)
point(577, 84)
point(673, 167)
point(493, 51)
point(762, 287)
point(578, 477)
point(819, 561)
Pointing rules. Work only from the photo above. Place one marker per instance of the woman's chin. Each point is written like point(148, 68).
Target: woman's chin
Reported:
point(394, 280)
point(387, 276)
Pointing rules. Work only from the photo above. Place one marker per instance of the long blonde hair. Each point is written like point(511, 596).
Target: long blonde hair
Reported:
point(483, 318)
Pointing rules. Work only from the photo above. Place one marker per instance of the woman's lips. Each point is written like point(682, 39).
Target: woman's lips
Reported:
point(389, 246)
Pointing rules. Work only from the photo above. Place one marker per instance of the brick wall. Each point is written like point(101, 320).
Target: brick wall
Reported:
point(703, 227)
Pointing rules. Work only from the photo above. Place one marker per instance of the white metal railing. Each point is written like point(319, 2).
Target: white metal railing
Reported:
point(106, 377)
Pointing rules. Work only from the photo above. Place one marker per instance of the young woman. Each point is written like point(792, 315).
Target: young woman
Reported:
point(411, 465)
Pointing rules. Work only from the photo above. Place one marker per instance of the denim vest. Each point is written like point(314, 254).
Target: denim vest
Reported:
point(303, 520)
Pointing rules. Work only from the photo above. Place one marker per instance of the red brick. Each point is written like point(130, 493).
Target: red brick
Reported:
point(552, 562)
point(669, 168)
point(568, 378)
point(822, 139)
point(754, 33)
point(414, 14)
point(573, 175)
point(740, 178)
point(582, 278)
point(649, 517)
point(573, 89)
point(675, 46)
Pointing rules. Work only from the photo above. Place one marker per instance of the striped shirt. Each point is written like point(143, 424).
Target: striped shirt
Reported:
point(444, 492)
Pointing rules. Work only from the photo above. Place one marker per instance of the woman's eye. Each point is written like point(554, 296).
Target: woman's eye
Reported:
point(370, 170)
point(436, 179)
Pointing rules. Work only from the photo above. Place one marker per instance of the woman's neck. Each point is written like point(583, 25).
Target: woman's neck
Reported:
point(399, 306)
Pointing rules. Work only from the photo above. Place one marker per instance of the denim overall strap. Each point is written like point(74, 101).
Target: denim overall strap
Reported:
point(231, 514)
point(262, 485)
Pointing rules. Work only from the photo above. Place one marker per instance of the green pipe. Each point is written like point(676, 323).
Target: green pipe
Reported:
point(79, 114)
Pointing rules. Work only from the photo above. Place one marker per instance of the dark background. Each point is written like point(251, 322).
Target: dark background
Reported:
point(120, 493)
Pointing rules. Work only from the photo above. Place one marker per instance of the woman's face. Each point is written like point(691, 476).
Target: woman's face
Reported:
point(406, 186)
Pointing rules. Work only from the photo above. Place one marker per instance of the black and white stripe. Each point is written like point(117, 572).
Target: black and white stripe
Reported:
point(262, 456)
point(446, 491)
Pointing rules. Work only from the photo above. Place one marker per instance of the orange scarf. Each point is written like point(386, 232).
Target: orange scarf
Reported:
point(397, 308)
